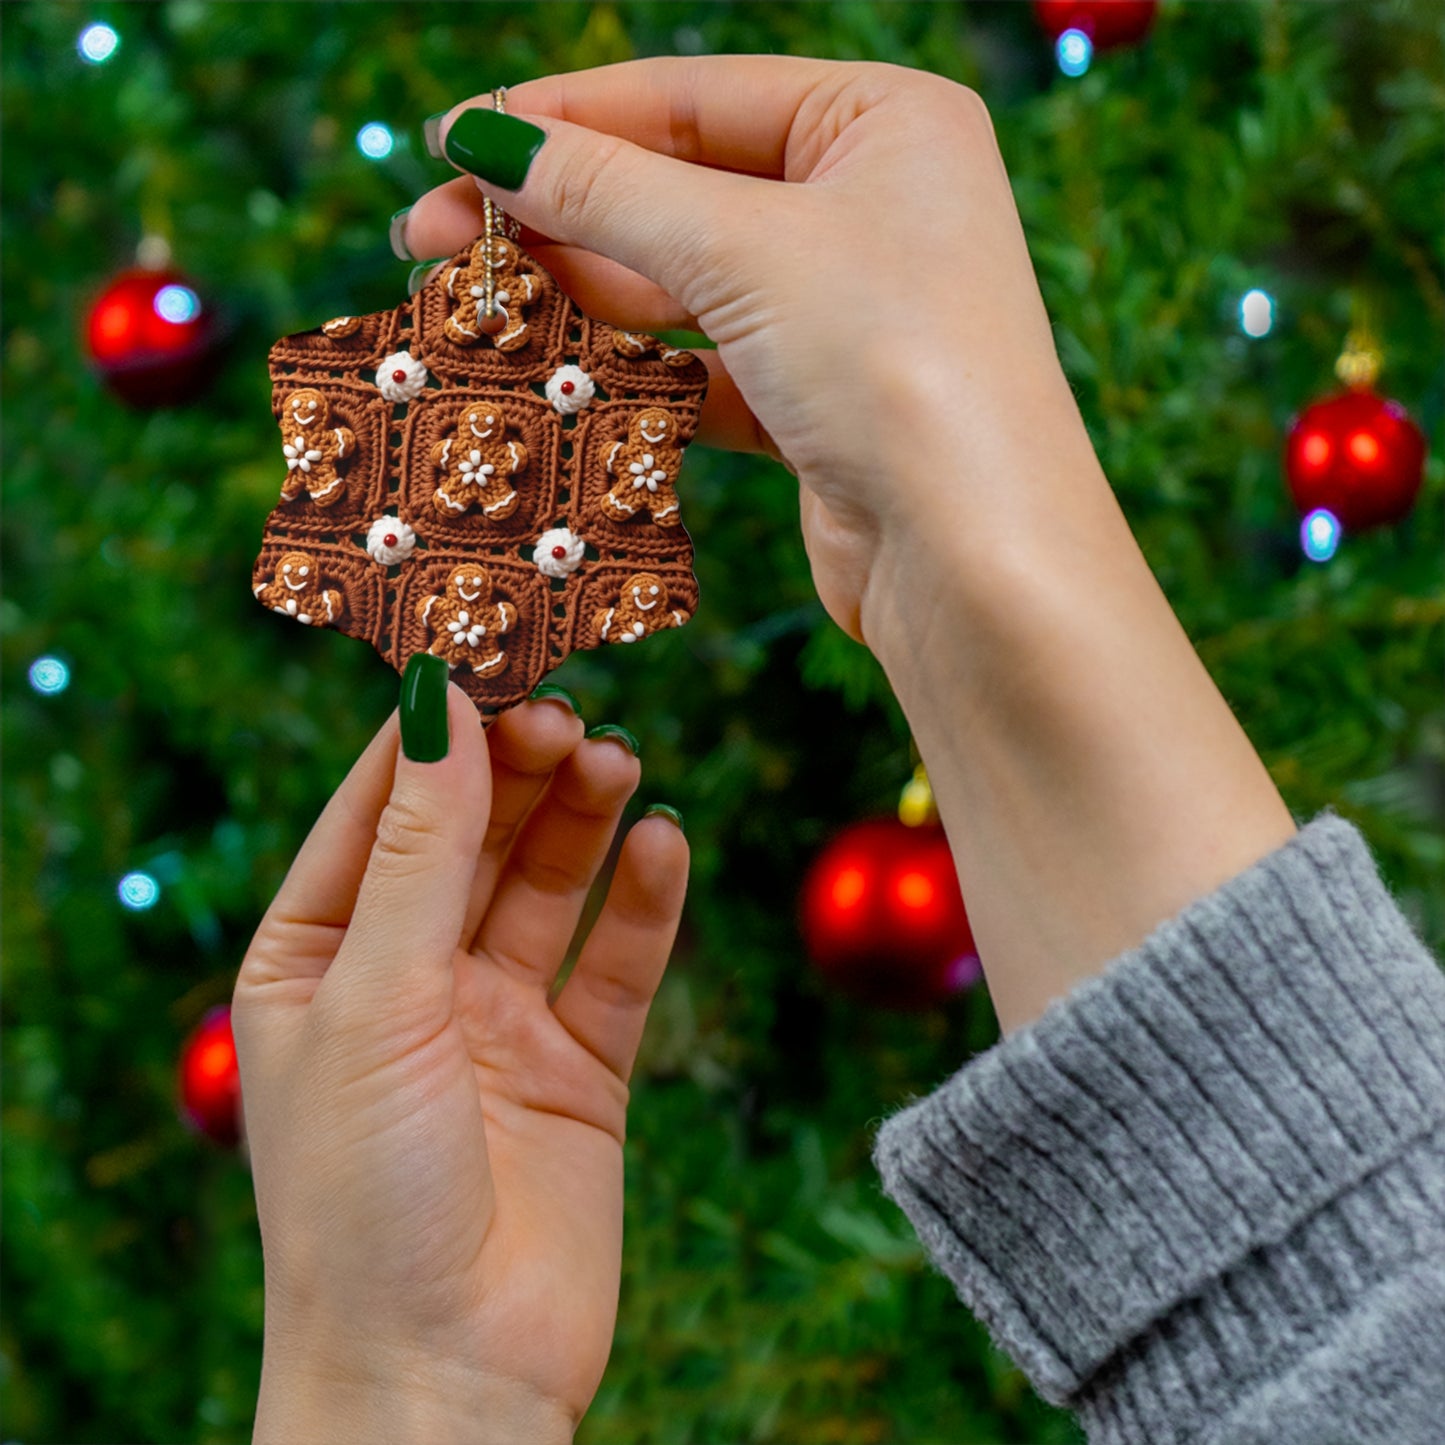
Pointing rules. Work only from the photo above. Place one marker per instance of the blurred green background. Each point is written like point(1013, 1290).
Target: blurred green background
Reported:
point(770, 1292)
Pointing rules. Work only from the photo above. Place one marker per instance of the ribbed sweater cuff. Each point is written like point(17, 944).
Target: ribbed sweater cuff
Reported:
point(1197, 1113)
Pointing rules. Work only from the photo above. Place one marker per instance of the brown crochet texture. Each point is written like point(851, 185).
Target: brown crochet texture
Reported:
point(385, 456)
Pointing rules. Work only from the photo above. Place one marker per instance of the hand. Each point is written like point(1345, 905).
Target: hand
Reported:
point(879, 310)
point(437, 1149)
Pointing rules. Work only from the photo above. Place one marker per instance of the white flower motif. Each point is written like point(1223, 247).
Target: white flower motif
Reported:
point(646, 474)
point(298, 454)
point(389, 540)
point(474, 469)
point(465, 630)
point(400, 377)
point(559, 553)
point(569, 389)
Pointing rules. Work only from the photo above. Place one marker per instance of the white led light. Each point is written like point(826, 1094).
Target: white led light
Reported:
point(138, 891)
point(177, 304)
point(375, 140)
point(49, 675)
point(1319, 535)
point(1256, 313)
point(1074, 52)
point(97, 43)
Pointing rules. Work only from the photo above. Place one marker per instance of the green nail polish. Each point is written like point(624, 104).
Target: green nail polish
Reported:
point(431, 133)
point(550, 689)
point(419, 274)
point(612, 730)
point(424, 737)
point(498, 148)
point(664, 811)
point(396, 234)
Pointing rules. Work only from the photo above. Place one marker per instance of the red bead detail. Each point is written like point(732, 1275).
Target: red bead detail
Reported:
point(559, 552)
point(389, 540)
point(567, 388)
point(398, 375)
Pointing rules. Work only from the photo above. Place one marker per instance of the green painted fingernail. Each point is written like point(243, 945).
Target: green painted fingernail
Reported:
point(550, 689)
point(664, 811)
point(396, 234)
point(612, 730)
point(421, 273)
point(431, 133)
point(424, 736)
point(498, 148)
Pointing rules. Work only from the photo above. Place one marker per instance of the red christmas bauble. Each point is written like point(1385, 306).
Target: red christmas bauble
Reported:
point(151, 338)
point(883, 918)
point(1107, 23)
point(1358, 455)
point(210, 1081)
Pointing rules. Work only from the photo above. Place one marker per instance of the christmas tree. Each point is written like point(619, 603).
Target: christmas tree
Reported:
point(168, 745)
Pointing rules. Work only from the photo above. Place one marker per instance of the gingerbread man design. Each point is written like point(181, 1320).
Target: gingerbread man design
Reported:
point(479, 463)
point(645, 467)
point(297, 592)
point(468, 625)
point(517, 281)
point(637, 344)
point(314, 449)
point(643, 607)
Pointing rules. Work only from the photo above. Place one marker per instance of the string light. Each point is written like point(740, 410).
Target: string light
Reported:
point(138, 891)
point(97, 44)
point(49, 675)
point(1319, 535)
point(375, 141)
point(177, 304)
point(1256, 313)
point(1074, 52)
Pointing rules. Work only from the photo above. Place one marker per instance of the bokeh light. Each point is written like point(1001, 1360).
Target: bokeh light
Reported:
point(138, 891)
point(375, 141)
point(1256, 313)
point(1319, 535)
point(97, 43)
point(1074, 51)
point(49, 675)
point(177, 304)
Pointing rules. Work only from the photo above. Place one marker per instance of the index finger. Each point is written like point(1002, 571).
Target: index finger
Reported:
point(734, 112)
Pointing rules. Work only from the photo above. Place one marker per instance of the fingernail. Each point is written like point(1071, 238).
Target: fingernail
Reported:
point(664, 811)
point(550, 689)
point(431, 133)
point(421, 274)
point(396, 233)
point(612, 730)
point(498, 148)
point(424, 736)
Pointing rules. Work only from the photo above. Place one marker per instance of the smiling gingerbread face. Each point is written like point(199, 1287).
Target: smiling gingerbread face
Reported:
point(482, 422)
point(307, 408)
point(295, 571)
point(469, 584)
point(656, 427)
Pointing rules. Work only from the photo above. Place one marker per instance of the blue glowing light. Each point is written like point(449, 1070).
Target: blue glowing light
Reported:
point(1256, 313)
point(49, 675)
point(177, 304)
point(1074, 52)
point(138, 891)
point(375, 140)
point(97, 43)
point(1319, 535)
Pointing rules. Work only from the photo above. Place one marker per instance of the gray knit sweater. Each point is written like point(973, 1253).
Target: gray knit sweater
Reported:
point(1202, 1198)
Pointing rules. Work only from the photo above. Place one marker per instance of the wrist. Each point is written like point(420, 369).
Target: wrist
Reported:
point(400, 1398)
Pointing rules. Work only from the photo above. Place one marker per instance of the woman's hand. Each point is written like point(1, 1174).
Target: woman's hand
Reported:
point(437, 1149)
point(877, 320)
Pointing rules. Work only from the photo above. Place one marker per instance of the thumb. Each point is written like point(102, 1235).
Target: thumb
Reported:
point(404, 931)
point(664, 218)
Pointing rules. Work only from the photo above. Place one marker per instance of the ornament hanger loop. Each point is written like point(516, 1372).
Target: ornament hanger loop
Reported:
point(495, 221)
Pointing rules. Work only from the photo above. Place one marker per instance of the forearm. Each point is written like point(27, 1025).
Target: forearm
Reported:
point(1091, 778)
point(406, 1401)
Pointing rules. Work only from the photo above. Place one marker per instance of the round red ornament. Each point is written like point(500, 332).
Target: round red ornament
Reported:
point(883, 917)
point(151, 338)
point(210, 1081)
point(1107, 23)
point(1358, 455)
